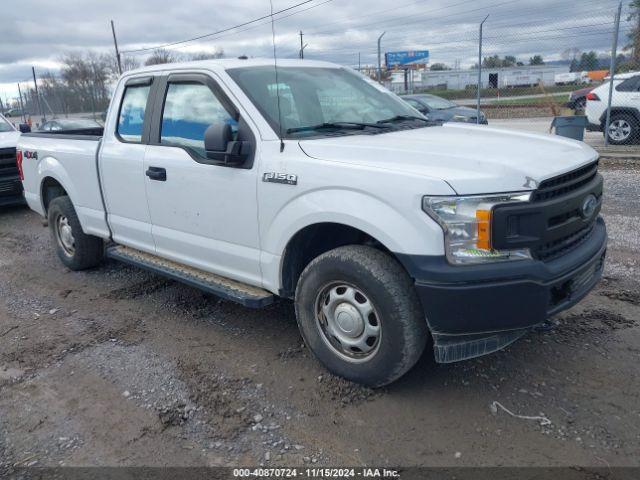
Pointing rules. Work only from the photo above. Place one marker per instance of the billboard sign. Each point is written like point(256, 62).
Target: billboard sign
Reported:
point(395, 59)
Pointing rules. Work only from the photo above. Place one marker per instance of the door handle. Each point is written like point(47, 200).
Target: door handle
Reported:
point(157, 173)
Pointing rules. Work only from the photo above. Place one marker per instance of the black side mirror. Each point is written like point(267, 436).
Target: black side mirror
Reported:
point(24, 128)
point(220, 146)
point(217, 137)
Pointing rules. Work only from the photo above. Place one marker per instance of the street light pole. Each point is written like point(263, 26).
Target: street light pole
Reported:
point(612, 73)
point(380, 58)
point(24, 115)
point(480, 70)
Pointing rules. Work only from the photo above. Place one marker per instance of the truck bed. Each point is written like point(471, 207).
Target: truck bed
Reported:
point(56, 158)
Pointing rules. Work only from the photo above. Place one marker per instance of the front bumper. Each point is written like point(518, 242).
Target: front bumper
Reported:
point(474, 310)
point(11, 191)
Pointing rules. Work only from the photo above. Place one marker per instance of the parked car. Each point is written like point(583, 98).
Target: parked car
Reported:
point(440, 109)
point(624, 126)
point(384, 228)
point(71, 125)
point(10, 184)
point(13, 112)
point(578, 99)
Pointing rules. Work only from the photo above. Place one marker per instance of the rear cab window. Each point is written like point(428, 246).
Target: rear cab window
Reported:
point(132, 111)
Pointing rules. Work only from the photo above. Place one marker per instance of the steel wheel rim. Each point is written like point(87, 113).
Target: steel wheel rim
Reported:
point(348, 322)
point(619, 130)
point(64, 235)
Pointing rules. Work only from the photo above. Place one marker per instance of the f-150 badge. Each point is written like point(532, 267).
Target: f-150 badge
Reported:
point(285, 178)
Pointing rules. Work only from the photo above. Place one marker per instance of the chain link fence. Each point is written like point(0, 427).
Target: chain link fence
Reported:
point(476, 72)
point(481, 76)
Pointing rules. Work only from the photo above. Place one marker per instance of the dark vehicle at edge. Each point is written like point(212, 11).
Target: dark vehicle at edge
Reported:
point(439, 109)
point(70, 126)
point(578, 99)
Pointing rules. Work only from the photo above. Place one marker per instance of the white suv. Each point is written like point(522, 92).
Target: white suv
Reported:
point(624, 127)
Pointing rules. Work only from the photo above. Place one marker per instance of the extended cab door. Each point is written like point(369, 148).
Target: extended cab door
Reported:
point(204, 213)
point(122, 165)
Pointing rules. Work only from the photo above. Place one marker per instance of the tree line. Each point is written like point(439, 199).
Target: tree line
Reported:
point(85, 81)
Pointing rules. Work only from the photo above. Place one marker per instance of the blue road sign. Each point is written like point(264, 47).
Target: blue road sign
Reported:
point(394, 59)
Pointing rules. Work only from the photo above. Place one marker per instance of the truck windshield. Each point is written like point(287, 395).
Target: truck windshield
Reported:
point(323, 101)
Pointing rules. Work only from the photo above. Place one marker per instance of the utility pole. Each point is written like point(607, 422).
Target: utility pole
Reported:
point(115, 42)
point(301, 55)
point(380, 58)
point(480, 70)
point(35, 82)
point(612, 72)
point(359, 64)
point(24, 114)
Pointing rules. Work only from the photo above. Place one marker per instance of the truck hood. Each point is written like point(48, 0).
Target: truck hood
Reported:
point(9, 139)
point(471, 159)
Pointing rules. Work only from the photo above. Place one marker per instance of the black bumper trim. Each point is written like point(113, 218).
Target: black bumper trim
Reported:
point(11, 191)
point(508, 296)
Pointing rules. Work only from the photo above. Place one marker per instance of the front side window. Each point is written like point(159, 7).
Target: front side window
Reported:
point(189, 109)
point(131, 119)
point(322, 97)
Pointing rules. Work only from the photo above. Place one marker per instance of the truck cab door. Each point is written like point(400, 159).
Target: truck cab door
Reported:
point(122, 165)
point(204, 212)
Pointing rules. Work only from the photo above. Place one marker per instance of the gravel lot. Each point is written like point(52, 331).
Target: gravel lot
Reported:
point(116, 366)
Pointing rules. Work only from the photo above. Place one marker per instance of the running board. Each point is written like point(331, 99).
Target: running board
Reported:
point(223, 287)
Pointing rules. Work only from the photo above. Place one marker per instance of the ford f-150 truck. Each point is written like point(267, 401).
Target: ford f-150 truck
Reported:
point(310, 182)
point(10, 185)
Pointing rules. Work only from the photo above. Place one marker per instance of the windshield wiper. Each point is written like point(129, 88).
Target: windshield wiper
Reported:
point(402, 118)
point(335, 126)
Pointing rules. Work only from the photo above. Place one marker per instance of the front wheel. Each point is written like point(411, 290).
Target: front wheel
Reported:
point(76, 249)
point(623, 129)
point(358, 312)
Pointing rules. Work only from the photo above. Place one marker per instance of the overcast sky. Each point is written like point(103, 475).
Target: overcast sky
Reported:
point(38, 32)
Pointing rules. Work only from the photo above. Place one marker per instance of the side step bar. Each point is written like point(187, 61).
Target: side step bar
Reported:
point(226, 288)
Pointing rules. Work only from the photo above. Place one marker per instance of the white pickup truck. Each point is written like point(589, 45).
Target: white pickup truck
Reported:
point(386, 230)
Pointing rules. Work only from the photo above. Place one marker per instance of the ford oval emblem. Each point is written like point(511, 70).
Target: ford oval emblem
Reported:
point(589, 206)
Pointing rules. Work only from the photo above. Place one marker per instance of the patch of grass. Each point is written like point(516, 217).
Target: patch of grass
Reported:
point(557, 98)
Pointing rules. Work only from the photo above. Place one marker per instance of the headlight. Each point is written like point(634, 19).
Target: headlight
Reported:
point(466, 222)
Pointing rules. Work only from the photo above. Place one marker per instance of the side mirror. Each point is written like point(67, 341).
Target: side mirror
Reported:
point(24, 128)
point(217, 137)
point(220, 146)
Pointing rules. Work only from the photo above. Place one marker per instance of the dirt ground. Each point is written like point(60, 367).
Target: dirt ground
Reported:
point(116, 366)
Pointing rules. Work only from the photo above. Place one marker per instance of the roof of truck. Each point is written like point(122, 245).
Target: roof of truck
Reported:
point(229, 63)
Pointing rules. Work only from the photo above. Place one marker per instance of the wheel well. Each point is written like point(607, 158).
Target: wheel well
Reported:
point(51, 189)
point(314, 240)
point(634, 112)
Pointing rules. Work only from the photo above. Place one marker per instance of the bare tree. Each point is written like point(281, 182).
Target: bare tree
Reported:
point(162, 55)
point(86, 78)
point(218, 53)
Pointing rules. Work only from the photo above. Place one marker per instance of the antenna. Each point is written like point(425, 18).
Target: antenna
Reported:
point(275, 67)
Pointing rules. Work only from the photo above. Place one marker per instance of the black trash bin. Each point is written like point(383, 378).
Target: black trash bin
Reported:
point(570, 127)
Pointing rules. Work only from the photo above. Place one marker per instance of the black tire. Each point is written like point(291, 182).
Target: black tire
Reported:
point(87, 251)
point(398, 312)
point(624, 119)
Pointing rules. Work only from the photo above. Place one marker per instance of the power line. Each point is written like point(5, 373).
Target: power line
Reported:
point(199, 37)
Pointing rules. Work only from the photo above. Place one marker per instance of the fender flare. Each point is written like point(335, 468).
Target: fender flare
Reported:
point(49, 167)
point(353, 208)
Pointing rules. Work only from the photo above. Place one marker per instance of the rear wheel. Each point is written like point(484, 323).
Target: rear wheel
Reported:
point(358, 312)
point(76, 249)
point(623, 129)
